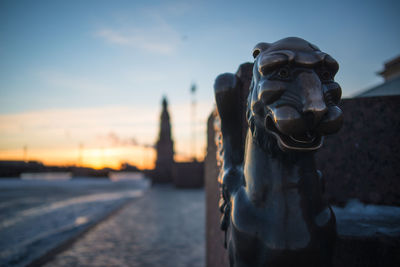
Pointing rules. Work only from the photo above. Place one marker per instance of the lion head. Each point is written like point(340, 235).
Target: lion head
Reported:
point(293, 95)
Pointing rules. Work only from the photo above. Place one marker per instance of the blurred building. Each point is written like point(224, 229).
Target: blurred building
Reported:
point(13, 168)
point(188, 174)
point(391, 69)
point(181, 174)
point(165, 148)
point(391, 85)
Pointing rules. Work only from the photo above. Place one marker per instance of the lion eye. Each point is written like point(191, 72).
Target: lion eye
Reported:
point(326, 76)
point(283, 73)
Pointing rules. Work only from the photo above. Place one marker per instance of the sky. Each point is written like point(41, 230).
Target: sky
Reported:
point(81, 82)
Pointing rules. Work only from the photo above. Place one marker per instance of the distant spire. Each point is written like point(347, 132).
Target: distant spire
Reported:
point(164, 148)
point(193, 88)
point(164, 102)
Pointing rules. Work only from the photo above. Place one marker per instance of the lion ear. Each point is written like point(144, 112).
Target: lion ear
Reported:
point(259, 48)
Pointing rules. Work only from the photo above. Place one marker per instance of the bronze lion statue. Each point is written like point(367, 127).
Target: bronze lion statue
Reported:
point(274, 212)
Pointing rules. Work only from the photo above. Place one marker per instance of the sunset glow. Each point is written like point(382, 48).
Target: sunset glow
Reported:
point(97, 158)
point(96, 137)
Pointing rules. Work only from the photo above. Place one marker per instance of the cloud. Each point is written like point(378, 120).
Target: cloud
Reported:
point(65, 81)
point(160, 39)
point(116, 140)
point(47, 128)
point(148, 28)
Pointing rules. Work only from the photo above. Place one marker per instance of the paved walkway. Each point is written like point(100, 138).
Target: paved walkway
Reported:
point(165, 228)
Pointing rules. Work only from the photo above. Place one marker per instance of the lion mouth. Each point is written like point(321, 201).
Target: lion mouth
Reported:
point(303, 141)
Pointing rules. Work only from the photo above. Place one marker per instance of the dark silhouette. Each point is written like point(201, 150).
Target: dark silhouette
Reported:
point(13, 169)
point(272, 201)
point(165, 148)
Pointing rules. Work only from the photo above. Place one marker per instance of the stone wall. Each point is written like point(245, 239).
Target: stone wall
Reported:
point(216, 255)
point(362, 160)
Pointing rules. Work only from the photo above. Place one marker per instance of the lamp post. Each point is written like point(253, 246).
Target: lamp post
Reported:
point(193, 89)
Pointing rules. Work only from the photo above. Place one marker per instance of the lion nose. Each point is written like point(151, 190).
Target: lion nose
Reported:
point(313, 114)
point(314, 107)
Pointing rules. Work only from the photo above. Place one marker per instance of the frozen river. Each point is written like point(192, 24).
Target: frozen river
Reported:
point(36, 216)
point(165, 227)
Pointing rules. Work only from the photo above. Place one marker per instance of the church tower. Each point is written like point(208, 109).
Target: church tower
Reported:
point(165, 148)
